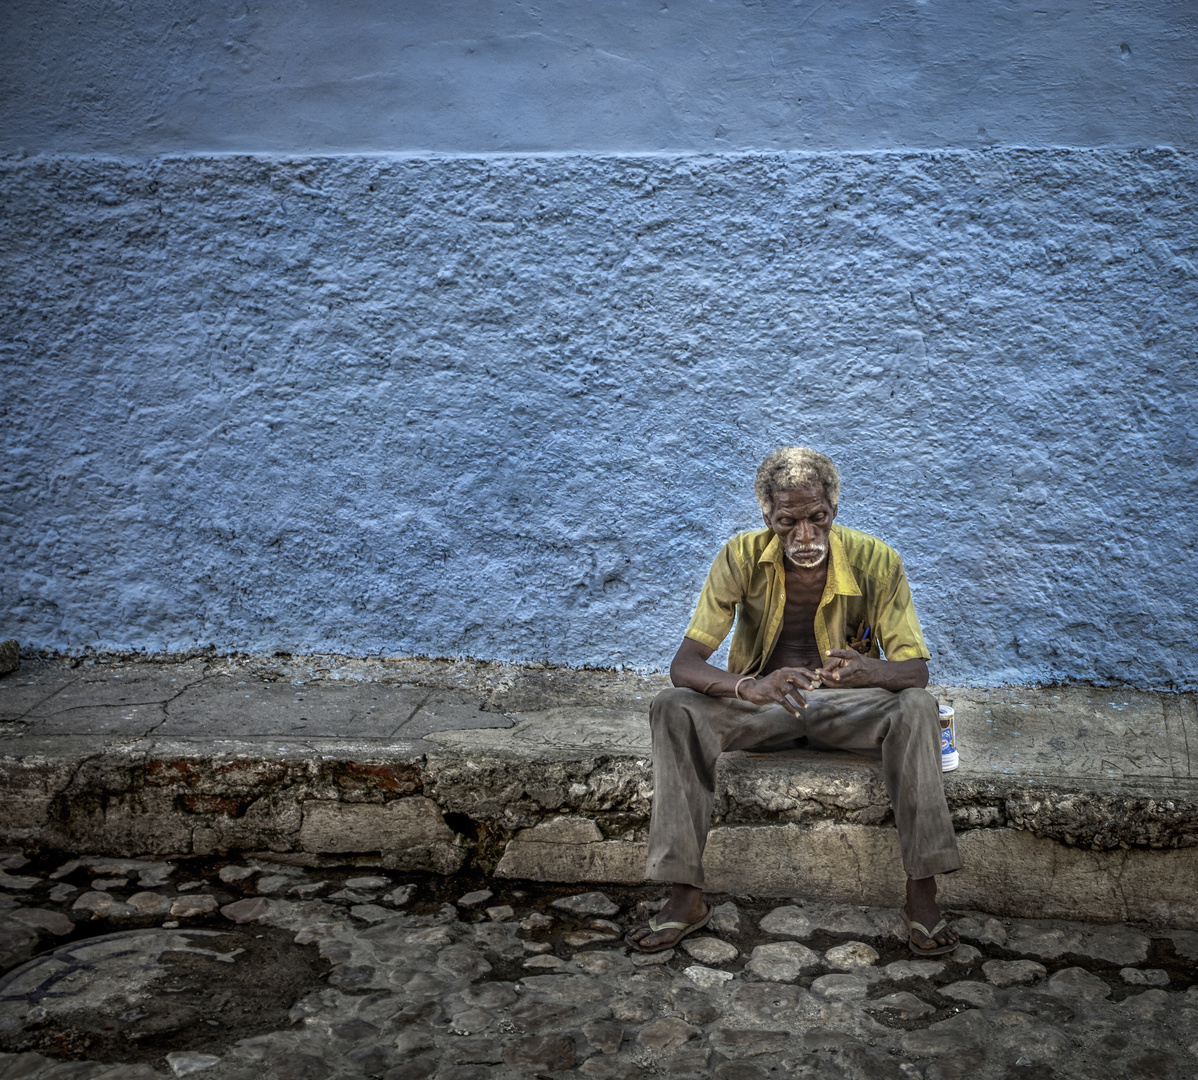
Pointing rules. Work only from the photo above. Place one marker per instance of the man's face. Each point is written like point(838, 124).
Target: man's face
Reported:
point(802, 519)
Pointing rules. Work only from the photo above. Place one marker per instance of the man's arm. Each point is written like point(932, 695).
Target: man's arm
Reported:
point(690, 669)
point(848, 669)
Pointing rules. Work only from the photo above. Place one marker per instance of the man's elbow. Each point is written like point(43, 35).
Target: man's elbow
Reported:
point(683, 660)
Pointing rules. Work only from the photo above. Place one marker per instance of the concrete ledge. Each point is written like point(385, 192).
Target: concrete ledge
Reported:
point(1071, 802)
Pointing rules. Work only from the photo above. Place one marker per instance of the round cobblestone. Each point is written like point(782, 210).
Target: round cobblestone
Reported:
point(851, 956)
point(710, 951)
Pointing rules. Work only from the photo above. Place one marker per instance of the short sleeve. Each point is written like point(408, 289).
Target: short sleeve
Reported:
point(897, 625)
point(715, 611)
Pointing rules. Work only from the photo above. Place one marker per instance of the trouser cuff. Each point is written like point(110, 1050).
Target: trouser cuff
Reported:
point(674, 873)
point(943, 864)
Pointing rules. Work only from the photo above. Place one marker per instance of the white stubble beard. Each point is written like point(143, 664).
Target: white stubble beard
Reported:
point(807, 556)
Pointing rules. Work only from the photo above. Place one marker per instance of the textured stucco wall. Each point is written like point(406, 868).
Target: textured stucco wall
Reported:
point(417, 395)
point(510, 407)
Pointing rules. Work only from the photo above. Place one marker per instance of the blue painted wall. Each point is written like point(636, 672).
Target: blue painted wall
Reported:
point(510, 405)
point(621, 76)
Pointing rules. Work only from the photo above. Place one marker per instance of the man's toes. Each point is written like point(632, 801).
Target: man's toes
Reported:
point(647, 937)
point(925, 943)
point(945, 937)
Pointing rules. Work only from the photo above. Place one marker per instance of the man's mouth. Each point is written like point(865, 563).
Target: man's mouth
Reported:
point(807, 556)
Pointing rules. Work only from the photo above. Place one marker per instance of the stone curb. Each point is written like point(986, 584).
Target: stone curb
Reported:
point(562, 792)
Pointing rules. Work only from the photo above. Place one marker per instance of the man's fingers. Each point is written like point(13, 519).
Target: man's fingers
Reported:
point(786, 703)
point(785, 687)
point(810, 680)
point(781, 691)
point(792, 695)
point(845, 665)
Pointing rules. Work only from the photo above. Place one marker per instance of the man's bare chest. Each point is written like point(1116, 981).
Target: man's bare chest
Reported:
point(804, 590)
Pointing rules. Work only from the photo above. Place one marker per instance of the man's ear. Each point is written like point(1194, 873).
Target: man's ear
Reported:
point(766, 518)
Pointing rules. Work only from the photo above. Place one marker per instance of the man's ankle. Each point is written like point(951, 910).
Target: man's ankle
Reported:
point(686, 898)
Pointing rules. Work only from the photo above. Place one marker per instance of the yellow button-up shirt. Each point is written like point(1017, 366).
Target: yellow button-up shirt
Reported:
point(747, 584)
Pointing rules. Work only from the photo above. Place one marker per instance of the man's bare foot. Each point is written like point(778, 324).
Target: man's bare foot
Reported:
point(685, 905)
point(922, 908)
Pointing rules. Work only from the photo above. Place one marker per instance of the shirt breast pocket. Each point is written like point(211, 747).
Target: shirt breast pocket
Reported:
point(859, 632)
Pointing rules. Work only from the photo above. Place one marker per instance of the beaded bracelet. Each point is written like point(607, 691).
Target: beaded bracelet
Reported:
point(736, 692)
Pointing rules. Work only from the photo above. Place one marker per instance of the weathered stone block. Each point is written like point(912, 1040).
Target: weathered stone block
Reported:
point(1006, 871)
point(1011, 872)
point(565, 830)
point(855, 863)
point(205, 841)
point(571, 849)
point(23, 818)
point(122, 825)
point(413, 824)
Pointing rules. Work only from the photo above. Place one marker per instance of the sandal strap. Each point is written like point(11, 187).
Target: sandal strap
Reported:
point(654, 925)
point(929, 934)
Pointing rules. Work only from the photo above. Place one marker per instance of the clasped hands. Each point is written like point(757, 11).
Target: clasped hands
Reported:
point(846, 668)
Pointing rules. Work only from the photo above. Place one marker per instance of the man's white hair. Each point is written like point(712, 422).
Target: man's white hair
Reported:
point(792, 467)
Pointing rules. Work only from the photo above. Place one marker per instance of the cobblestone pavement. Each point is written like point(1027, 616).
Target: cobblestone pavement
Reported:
point(243, 970)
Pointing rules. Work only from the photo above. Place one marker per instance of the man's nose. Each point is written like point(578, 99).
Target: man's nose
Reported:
point(805, 531)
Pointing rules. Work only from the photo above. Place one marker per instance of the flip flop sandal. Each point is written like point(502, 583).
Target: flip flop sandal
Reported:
point(654, 926)
point(939, 950)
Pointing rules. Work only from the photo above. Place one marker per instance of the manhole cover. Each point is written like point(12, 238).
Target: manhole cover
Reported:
point(137, 994)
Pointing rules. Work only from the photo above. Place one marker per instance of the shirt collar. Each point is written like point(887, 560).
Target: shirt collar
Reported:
point(840, 579)
point(772, 552)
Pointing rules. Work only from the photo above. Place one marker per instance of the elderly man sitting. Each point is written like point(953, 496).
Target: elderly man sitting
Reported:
point(795, 589)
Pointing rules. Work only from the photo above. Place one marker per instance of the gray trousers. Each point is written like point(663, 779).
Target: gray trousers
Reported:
point(691, 730)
